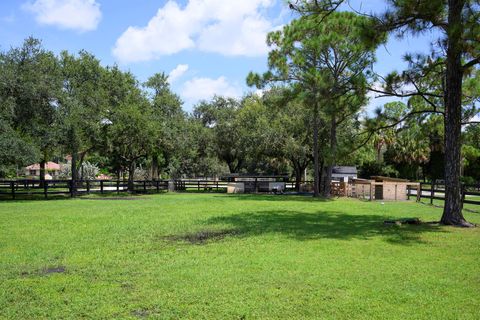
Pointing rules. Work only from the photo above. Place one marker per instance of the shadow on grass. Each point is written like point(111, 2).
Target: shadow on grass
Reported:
point(323, 225)
point(276, 197)
point(84, 196)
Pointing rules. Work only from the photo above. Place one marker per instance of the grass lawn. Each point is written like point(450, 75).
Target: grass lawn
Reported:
point(214, 256)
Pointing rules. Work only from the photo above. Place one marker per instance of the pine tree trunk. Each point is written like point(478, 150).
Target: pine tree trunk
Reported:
point(326, 192)
point(452, 212)
point(316, 162)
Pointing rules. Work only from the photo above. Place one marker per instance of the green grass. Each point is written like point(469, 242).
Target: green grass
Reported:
point(286, 257)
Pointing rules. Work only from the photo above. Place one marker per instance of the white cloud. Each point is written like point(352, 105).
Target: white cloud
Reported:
point(80, 15)
point(225, 27)
point(177, 72)
point(205, 88)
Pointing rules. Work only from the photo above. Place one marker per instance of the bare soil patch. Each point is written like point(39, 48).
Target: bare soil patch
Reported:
point(115, 198)
point(203, 236)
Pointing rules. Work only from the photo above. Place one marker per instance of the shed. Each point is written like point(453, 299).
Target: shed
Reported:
point(387, 188)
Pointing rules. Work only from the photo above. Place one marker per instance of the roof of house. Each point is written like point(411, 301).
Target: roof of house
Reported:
point(103, 177)
point(48, 166)
point(382, 178)
point(344, 170)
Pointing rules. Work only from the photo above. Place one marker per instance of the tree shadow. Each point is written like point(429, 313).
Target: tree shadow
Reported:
point(277, 197)
point(323, 225)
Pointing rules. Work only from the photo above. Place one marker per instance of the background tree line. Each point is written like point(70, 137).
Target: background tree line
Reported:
point(69, 104)
point(52, 106)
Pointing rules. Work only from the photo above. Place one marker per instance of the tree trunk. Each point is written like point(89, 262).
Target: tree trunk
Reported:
point(231, 167)
point(80, 162)
point(155, 167)
point(42, 172)
point(74, 167)
point(452, 212)
point(74, 171)
point(298, 175)
point(326, 190)
point(131, 173)
point(316, 173)
point(298, 180)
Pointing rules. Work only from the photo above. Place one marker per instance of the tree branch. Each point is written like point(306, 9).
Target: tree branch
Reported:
point(471, 63)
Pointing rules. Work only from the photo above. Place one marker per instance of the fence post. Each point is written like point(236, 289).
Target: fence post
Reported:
point(88, 186)
point(419, 192)
point(72, 188)
point(158, 190)
point(12, 186)
point(45, 188)
point(408, 192)
point(217, 185)
point(101, 186)
point(463, 195)
point(432, 191)
point(198, 185)
point(118, 186)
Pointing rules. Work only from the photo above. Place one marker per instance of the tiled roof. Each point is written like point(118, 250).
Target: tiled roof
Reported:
point(48, 166)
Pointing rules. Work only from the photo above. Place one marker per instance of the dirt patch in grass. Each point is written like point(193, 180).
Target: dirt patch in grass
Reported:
point(115, 198)
point(409, 221)
point(59, 269)
point(203, 236)
point(142, 313)
point(45, 271)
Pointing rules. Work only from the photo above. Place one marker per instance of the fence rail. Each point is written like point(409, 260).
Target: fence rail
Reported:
point(434, 191)
point(12, 189)
point(200, 185)
point(19, 188)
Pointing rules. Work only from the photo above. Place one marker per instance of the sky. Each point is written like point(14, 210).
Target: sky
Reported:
point(206, 47)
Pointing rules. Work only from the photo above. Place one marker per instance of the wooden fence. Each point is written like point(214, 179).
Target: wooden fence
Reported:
point(12, 189)
point(436, 191)
point(200, 185)
point(221, 186)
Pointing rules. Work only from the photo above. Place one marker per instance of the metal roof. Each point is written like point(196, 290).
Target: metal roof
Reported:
point(344, 170)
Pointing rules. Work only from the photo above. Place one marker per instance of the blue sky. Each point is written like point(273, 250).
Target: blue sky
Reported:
point(207, 46)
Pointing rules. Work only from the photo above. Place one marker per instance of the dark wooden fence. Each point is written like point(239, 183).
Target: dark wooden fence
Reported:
point(200, 185)
point(12, 189)
point(436, 191)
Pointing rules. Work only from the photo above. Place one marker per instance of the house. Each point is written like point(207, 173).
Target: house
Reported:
point(344, 173)
point(51, 170)
point(103, 177)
